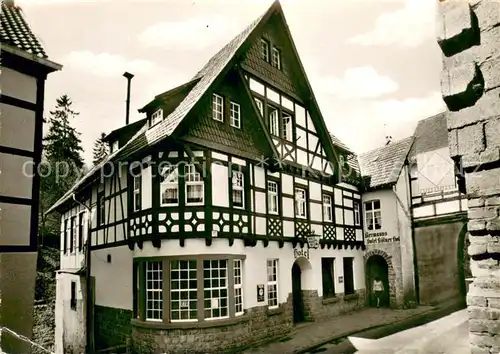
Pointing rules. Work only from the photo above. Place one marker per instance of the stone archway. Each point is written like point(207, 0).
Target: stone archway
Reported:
point(301, 280)
point(391, 275)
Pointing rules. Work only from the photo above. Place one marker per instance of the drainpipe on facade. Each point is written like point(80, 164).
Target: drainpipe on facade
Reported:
point(88, 303)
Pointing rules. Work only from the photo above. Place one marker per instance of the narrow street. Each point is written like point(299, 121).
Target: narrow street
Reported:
point(406, 333)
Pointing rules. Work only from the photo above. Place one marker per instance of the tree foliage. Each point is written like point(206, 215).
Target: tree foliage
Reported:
point(62, 164)
point(101, 149)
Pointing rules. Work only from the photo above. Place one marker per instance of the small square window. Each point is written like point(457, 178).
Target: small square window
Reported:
point(157, 117)
point(218, 107)
point(235, 117)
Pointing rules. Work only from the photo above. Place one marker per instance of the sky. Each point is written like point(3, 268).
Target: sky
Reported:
point(374, 66)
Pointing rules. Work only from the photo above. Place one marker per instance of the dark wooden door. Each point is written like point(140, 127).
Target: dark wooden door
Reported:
point(298, 306)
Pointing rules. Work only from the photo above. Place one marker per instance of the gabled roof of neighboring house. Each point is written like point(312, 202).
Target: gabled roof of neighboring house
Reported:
point(382, 167)
point(15, 31)
point(337, 142)
point(431, 134)
point(130, 128)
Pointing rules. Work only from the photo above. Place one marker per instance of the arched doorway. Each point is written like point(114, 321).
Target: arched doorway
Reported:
point(377, 267)
point(298, 303)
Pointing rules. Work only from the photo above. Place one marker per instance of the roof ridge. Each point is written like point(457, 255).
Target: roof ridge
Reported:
point(400, 141)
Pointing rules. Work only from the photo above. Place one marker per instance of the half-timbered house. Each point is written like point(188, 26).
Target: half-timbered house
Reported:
point(226, 215)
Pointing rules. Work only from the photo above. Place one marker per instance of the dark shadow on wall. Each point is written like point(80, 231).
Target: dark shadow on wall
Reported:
point(464, 271)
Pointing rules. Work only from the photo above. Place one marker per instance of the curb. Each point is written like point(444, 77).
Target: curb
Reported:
point(350, 333)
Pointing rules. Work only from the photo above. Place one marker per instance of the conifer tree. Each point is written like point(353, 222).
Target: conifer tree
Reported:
point(100, 149)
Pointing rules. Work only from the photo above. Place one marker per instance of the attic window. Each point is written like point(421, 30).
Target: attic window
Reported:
point(276, 58)
point(115, 146)
point(264, 49)
point(217, 107)
point(235, 118)
point(157, 117)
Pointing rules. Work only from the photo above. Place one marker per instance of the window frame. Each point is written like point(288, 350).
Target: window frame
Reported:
point(235, 172)
point(265, 47)
point(286, 129)
point(326, 206)
point(136, 193)
point(156, 117)
point(270, 195)
point(74, 230)
point(259, 103)
point(304, 201)
point(216, 105)
point(234, 115)
point(357, 213)
point(101, 207)
point(154, 290)
point(331, 262)
point(81, 228)
point(198, 181)
point(273, 264)
point(276, 53)
point(370, 215)
point(274, 121)
point(65, 235)
point(166, 265)
point(165, 183)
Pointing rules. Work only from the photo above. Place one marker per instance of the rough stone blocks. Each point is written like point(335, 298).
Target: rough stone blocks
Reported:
point(483, 183)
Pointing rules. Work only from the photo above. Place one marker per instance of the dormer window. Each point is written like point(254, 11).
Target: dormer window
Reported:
point(157, 117)
point(276, 58)
point(217, 107)
point(115, 146)
point(264, 49)
point(235, 118)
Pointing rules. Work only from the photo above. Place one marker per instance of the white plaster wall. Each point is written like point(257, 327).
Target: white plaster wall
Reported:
point(14, 230)
point(16, 173)
point(255, 264)
point(287, 184)
point(435, 170)
point(18, 85)
point(74, 260)
point(17, 127)
point(388, 205)
point(146, 195)
point(113, 281)
point(260, 177)
point(315, 191)
point(220, 188)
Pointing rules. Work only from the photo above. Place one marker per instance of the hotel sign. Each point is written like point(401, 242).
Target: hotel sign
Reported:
point(379, 237)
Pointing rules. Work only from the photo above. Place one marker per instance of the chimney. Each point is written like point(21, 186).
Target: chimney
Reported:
point(388, 140)
point(129, 77)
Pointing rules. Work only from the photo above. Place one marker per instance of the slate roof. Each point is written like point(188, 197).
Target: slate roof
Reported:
point(15, 31)
point(382, 166)
point(336, 141)
point(431, 134)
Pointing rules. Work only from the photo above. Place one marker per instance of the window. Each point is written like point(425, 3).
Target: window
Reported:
point(328, 272)
point(273, 121)
point(272, 283)
point(264, 49)
point(215, 287)
point(157, 117)
point(66, 235)
point(348, 276)
point(115, 146)
point(235, 118)
point(136, 198)
point(183, 291)
point(287, 126)
point(188, 290)
point(260, 106)
point(272, 195)
point(238, 195)
point(300, 203)
point(217, 107)
point(327, 208)
point(101, 207)
point(80, 231)
point(357, 215)
point(194, 185)
point(276, 58)
point(154, 291)
point(72, 242)
point(238, 283)
point(373, 215)
point(72, 301)
point(169, 186)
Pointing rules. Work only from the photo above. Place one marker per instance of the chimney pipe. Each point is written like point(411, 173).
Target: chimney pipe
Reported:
point(129, 77)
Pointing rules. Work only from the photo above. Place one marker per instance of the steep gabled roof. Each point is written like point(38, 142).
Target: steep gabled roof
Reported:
point(15, 31)
point(382, 167)
point(431, 134)
point(338, 143)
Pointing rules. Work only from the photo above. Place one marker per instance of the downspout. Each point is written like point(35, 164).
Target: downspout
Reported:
point(88, 307)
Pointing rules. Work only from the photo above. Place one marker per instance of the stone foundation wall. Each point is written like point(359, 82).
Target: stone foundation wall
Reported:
point(257, 326)
point(470, 40)
point(112, 327)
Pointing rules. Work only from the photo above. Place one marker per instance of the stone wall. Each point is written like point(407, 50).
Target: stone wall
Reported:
point(257, 326)
point(112, 327)
point(469, 38)
point(439, 273)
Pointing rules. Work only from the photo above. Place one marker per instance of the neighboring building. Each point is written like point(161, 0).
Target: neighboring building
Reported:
point(24, 69)
point(388, 225)
point(415, 216)
point(227, 215)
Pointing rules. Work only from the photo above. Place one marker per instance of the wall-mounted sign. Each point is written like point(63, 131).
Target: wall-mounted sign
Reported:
point(301, 252)
point(313, 241)
point(379, 237)
point(260, 292)
point(341, 280)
